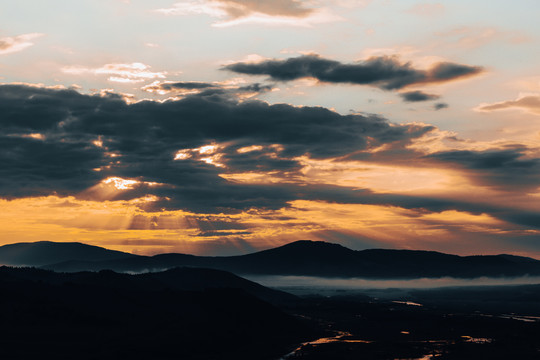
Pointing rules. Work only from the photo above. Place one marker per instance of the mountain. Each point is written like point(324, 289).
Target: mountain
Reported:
point(318, 258)
point(48, 252)
point(176, 314)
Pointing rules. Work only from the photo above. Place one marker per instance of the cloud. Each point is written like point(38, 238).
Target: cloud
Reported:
point(471, 37)
point(384, 72)
point(509, 170)
point(46, 167)
point(440, 106)
point(131, 73)
point(181, 85)
point(235, 9)
point(85, 140)
point(528, 102)
point(416, 96)
point(18, 43)
point(191, 154)
point(234, 12)
point(182, 88)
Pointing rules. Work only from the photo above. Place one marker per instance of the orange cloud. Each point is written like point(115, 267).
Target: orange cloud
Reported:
point(270, 12)
point(470, 37)
point(18, 43)
point(124, 73)
point(527, 102)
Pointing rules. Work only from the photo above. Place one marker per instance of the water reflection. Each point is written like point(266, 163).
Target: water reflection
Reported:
point(341, 337)
point(410, 303)
point(476, 340)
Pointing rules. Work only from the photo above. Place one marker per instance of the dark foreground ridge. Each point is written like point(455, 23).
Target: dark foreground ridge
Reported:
point(303, 258)
point(176, 314)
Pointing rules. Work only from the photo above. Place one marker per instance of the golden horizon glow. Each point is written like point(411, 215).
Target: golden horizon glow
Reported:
point(122, 225)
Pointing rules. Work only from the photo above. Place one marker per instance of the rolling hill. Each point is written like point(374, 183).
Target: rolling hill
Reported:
point(176, 314)
point(301, 258)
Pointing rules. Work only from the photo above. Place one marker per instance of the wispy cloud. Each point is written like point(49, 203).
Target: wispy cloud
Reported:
point(526, 102)
point(234, 87)
point(471, 37)
point(18, 43)
point(270, 12)
point(126, 73)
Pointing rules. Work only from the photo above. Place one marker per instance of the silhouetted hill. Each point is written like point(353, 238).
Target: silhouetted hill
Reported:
point(317, 258)
point(177, 314)
point(48, 252)
point(184, 279)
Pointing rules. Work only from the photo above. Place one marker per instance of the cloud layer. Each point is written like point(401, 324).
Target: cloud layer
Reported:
point(63, 142)
point(125, 73)
point(199, 153)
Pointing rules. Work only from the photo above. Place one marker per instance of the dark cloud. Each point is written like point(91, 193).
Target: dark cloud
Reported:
point(56, 140)
point(30, 167)
point(384, 72)
point(184, 85)
point(255, 88)
point(222, 233)
point(416, 96)
point(196, 87)
point(506, 169)
point(53, 141)
point(421, 205)
point(203, 223)
point(440, 106)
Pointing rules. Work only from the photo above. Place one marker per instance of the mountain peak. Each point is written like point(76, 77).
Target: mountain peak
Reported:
point(312, 244)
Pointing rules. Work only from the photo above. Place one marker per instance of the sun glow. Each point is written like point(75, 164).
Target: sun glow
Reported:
point(380, 178)
point(213, 158)
point(182, 155)
point(247, 149)
point(120, 184)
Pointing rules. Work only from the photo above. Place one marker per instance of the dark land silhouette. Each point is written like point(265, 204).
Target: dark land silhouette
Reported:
point(47, 252)
point(305, 258)
point(162, 311)
point(176, 314)
point(190, 313)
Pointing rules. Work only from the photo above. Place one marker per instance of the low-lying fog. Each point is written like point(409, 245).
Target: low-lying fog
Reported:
point(358, 284)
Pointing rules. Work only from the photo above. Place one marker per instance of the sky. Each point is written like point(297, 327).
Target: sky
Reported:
point(221, 127)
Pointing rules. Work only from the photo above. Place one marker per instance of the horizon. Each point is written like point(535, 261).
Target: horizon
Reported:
point(220, 127)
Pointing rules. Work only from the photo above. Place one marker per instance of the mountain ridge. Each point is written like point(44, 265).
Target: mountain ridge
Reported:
point(308, 258)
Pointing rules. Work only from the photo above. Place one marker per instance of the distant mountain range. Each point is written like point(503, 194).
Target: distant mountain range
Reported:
point(301, 258)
